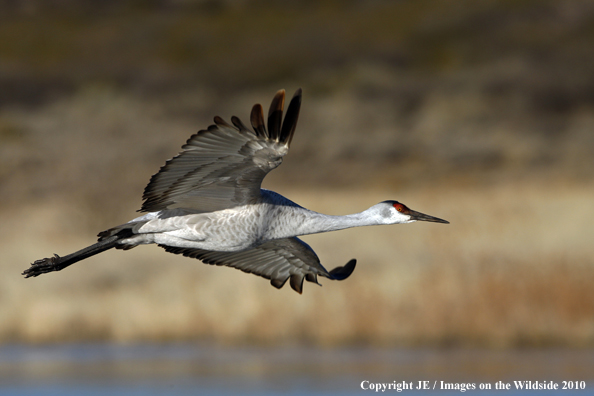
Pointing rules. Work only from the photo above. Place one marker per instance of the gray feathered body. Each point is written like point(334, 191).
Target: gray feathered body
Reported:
point(232, 230)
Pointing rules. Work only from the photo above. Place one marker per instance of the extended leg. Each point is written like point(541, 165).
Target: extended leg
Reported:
point(58, 263)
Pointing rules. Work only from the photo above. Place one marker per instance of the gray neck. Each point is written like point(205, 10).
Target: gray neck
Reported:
point(289, 219)
point(318, 222)
point(292, 221)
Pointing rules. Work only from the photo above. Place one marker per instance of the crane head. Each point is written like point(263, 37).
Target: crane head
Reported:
point(394, 212)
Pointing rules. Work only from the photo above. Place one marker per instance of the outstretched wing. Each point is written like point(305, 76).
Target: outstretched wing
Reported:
point(277, 260)
point(224, 165)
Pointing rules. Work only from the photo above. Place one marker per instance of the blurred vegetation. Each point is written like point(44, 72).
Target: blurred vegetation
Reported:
point(482, 111)
point(55, 46)
point(448, 87)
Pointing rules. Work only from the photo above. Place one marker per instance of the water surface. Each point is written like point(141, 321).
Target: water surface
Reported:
point(191, 369)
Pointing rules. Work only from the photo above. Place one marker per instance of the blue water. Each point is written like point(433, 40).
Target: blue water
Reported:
point(199, 369)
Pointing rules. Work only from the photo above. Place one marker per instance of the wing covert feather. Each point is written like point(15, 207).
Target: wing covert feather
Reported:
point(223, 166)
point(278, 260)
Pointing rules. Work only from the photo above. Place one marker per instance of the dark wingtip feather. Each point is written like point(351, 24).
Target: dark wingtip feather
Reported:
point(341, 273)
point(278, 282)
point(275, 115)
point(297, 283)
point(219, 121)
point(237, 122)
point(257, 119)
point(313, 278)
point(290, 122)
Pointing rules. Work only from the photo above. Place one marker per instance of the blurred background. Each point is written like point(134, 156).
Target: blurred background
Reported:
point(478, 112)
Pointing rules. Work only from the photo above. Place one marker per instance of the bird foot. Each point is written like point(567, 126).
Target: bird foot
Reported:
point(42, 266)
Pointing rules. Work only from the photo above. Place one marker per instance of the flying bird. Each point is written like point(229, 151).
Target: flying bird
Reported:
point(207, 203)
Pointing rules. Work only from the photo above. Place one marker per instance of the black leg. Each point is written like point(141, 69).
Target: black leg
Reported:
point(44, 265)
point(58, 263)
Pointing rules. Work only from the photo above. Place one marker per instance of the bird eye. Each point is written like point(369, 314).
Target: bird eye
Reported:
point(399, 207)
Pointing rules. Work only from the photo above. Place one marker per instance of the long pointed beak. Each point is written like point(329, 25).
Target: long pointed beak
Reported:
point(423, 217)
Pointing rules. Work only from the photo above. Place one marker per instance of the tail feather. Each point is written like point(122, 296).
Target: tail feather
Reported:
point(125, 230)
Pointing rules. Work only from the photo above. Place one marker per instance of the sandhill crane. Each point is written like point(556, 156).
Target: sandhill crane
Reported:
point(206, 203)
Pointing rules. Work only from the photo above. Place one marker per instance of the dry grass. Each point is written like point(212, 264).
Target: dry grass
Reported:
point(514, 267)
point(506, 272)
